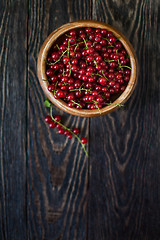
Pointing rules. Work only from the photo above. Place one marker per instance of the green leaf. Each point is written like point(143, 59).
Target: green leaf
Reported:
point(47, 103)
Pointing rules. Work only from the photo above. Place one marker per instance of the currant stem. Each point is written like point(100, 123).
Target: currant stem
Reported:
point(95, 63)
point(105, 76)
point(58, 59)
point(126, 67)
point(122, 66)
point(116, 104)
point(69, 69)
point(109, 42)
point(76, 103)
point(100, 75)
point(81, 89)
point(109, 61)
point(79, 140)
point(65, 83)
point(68, 48)
point(57, 46)
point(95, 103)
point(117, 39)
point(85, 42)
point(67, 35)
point(76, 46)
point(63, 72)
point(55, 88)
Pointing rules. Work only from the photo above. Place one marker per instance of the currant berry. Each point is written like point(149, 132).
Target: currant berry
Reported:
point(52, 124)
point(57, 118)
point(61, 131)
point(84, 140)
point(48, 119)
point(69, 136)
point(76, 131)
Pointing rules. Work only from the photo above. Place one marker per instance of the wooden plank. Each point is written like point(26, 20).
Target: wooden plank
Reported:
point(57, 167)
point(125, 165)
point(13, 46)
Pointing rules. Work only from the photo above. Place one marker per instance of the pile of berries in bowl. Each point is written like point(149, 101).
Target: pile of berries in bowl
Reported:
point(87, 68)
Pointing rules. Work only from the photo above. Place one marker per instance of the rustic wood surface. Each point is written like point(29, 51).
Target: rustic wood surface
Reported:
point(49, 190)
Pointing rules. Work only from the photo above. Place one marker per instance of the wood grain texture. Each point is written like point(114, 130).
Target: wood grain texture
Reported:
point(57, 175)
point(48, 189)
point(13, 52)
point(124, 178)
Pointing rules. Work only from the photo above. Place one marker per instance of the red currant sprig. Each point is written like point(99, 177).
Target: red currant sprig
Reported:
point(55, 122)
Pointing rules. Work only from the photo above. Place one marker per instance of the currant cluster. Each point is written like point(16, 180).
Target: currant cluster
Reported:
point(55, 122)
point(89, 68)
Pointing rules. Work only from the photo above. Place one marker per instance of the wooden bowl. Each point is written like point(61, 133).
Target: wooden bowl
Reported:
point(41, 68)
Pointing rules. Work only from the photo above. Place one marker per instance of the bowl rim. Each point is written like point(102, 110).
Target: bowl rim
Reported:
point(41, 67)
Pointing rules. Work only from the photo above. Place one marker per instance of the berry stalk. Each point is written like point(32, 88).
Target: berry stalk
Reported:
point(79, 140)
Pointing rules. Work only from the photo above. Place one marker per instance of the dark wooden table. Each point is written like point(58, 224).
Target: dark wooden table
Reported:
point(48, 189)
